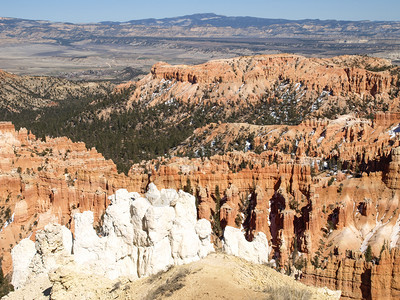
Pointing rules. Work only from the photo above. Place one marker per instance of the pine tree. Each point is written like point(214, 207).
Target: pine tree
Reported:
point(216, 216)
point(188, 187)
point(5, 286)
point(368, 254)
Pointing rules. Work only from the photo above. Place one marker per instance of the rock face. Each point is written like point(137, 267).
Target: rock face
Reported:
point(143, 236)
point(140, 237)
point(245, 80)
point(22, 255)
point(333, 75)
point(358, 279)
point(256, 251)
point(323, 188)
point(53, 248)
point(304, 199)
point(47, 181)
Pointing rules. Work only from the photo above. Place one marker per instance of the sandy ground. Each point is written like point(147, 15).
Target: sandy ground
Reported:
point(218, 276)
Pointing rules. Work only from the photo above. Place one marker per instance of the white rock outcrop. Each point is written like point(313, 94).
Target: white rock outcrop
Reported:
point(52, 249)
point(22, 255)
point(256, 251)
point(140, 236)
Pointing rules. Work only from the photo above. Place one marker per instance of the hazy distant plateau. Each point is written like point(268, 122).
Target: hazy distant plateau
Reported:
point(104, 50)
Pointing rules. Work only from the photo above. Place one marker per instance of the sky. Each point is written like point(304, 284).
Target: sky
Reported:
point(84, 11)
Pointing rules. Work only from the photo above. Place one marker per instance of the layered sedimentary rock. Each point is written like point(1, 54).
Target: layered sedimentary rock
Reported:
point(334, 75)
point(139, 237)
point(301, 200)
point(293, 192)
point(248, 79)
point(347, 137)
point(46, 181)
point(358, 279)
point(318, 189)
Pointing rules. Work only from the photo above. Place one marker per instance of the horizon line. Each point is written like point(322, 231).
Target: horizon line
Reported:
point(195, 14)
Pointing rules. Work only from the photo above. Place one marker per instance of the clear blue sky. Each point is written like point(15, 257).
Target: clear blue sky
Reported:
point(124, 10)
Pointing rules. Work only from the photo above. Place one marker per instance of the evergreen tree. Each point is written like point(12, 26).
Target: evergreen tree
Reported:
point(368, 254)
point(217, 213)
point(188, 187)
point(5, 286)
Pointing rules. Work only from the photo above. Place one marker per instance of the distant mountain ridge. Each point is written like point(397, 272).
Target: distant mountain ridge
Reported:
point(77, 48)
point(219, 21)
point(211, 19)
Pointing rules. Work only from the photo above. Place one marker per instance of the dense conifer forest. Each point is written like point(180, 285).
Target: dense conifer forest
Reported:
point(142, 132)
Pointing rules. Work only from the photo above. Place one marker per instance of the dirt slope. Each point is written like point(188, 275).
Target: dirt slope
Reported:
point(218, 276)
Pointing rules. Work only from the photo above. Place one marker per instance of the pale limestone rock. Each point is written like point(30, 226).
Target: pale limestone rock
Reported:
point(185, 245)
point(185, 241)
point(51, 249)
point(54, 239)
point(170, 196)
point(87, 245)
point(158, 222)
point(154, 195)
point(235, 243)
point(73, 282)
point(152, 260)
point(32, 290)
point(139, 237)
point(203, 230)
point(138, 210)
point(185, 210)
point(117, 220)
point(333, 294)
point(22, 255)
point(67, 239)
point(143, 236)
point(112, 255)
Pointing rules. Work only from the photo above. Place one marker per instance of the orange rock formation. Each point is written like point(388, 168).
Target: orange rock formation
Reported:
point(317, 211)
point(246, 79)
point(356, 278)
point(47, 181)
point(319, 189)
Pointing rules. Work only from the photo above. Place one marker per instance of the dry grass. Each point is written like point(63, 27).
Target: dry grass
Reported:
point(169, 286)
point(286, 293)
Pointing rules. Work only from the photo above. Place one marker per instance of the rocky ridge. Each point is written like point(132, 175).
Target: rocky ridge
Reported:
point(139, 237)
point(346, 201)
point(44, 181)
point(316, 84)
point(274, 193)
point(347, 137)
point(239, 278)
point(356, 278)
point(198, 25)
point(313, 191)
point(34, 92)
point(259, 90)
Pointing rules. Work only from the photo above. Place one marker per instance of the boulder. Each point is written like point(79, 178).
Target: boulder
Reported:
point(235, 243)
